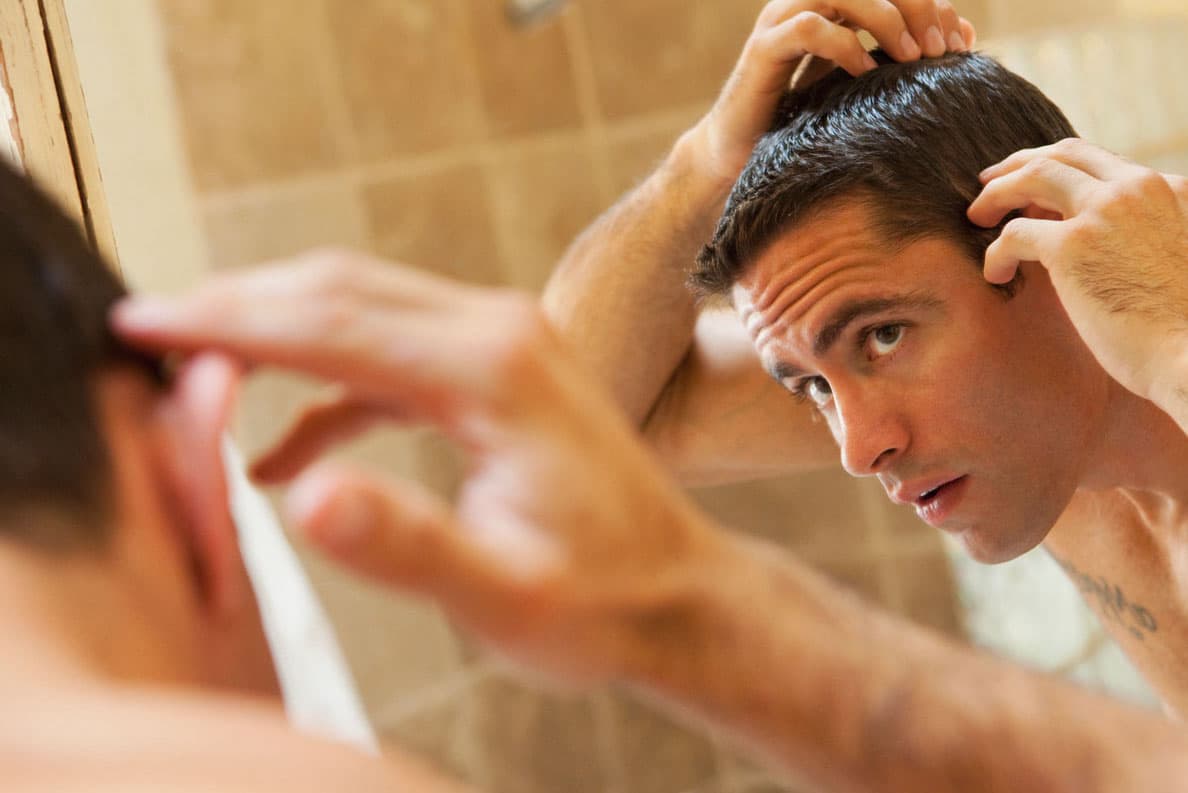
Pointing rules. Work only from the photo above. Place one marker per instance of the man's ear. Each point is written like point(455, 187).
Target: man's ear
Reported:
point(194, 416)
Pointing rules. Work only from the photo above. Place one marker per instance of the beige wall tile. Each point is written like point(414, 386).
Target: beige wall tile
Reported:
point(407, 72)
point(396, 646)
point(819, 514)
point(632, 158)
point(277, 224)
point(247, 86)
point(536, 743)
point(979, 13)
point(1017, 16)
point(438, 735)
point(525, 74)
point(543, 197)
point(439, 221)
point(1153, 7)
point(656, 754)
point(661, 54)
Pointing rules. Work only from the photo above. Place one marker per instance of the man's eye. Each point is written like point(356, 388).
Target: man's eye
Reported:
point(884, 339)
point(817, 389)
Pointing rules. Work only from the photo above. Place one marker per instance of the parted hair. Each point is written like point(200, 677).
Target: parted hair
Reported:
point(55, 294)
point(908, 140)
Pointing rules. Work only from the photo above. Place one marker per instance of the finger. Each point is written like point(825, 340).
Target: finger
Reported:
point(811, 33)
point(950, 24)
point(320, 427)
point(1047, 184)
point(923, 20)
point(1091, 159)
point(884, 22)
point(348, 326)
point(394, 532)
point(969, 33)
point(1021, 240)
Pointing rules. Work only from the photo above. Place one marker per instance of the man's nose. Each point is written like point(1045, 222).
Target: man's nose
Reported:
point(872, 432)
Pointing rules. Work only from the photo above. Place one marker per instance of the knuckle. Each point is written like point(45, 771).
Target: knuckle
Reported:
point(1012, 231)
point(335, 271)
point(914, 7)
point(806, 23)
point(771, 13)
point(1038, 168)
point(888, 15)
point(946, 10)
point(518, 351)
point(1068, 145)
point(1078, 233)
point(1152, 183)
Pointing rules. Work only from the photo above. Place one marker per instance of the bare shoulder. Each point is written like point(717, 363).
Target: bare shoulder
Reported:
point(722, 418)
point(168, 740)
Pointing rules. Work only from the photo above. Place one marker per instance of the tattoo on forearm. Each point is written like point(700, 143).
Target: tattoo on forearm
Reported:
point(1112, 602)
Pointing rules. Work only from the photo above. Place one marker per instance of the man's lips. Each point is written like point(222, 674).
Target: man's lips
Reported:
point(919, 491)
point(937, 504)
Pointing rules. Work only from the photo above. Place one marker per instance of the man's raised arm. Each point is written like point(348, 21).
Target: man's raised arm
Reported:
point(571, 551)
point(619, 296)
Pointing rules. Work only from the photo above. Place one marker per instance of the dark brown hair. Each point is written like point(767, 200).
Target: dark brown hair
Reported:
point(55, 294)
point(906, 139)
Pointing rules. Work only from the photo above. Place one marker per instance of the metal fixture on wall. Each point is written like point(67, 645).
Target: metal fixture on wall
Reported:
point(526, 12)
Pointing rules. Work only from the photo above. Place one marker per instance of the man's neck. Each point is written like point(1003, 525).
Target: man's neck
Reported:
point(71, 620)
point(1140, 449)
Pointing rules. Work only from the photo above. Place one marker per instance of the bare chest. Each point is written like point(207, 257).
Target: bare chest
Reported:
point(1133, 574)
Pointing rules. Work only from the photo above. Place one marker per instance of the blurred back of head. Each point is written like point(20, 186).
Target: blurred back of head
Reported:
point(55, 294)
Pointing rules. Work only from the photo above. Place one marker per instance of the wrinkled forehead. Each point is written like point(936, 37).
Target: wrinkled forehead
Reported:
point(836, 249)
point(815, 280)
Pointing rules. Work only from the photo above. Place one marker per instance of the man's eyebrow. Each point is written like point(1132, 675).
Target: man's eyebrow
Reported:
point(853, 310)
point(785, 371)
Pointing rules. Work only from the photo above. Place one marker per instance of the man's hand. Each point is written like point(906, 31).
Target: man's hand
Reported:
point(1114, 237)
point(566, 536)
point(789, 30)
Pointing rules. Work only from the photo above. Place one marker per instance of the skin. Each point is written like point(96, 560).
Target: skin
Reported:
point(941, 399)
point(571, 550)
point(144, 665)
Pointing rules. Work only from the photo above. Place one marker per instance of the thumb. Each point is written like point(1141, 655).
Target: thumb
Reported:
point(389, 530)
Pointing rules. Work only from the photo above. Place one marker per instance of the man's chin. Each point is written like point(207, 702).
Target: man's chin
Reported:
point(986, 545)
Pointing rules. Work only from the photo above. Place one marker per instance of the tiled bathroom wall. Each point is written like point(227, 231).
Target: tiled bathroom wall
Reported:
point(434, 133)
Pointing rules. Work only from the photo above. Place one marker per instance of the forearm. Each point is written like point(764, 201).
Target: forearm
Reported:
point(619, 297)
point(846, 698)
point(1171, 390)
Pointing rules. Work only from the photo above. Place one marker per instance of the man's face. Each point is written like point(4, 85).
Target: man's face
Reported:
point(976, 409)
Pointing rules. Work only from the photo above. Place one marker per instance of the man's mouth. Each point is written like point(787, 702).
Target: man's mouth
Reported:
point(937, 503)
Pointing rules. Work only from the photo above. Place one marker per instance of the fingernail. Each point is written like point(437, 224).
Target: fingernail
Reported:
point(956, 43)
point(909, 46)
point(142, 312)
point(934, 42)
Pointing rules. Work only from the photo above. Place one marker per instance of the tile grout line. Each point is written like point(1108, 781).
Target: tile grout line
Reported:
point(410, 705)
point(230, 199)
point(610, 754)
point(330, 80)
point(585, 86)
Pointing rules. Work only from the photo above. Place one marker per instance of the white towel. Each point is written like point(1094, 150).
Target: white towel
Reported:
point(318, 688)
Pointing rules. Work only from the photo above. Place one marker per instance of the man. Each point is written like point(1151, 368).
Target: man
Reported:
point(134, 657)
point(570, 549)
